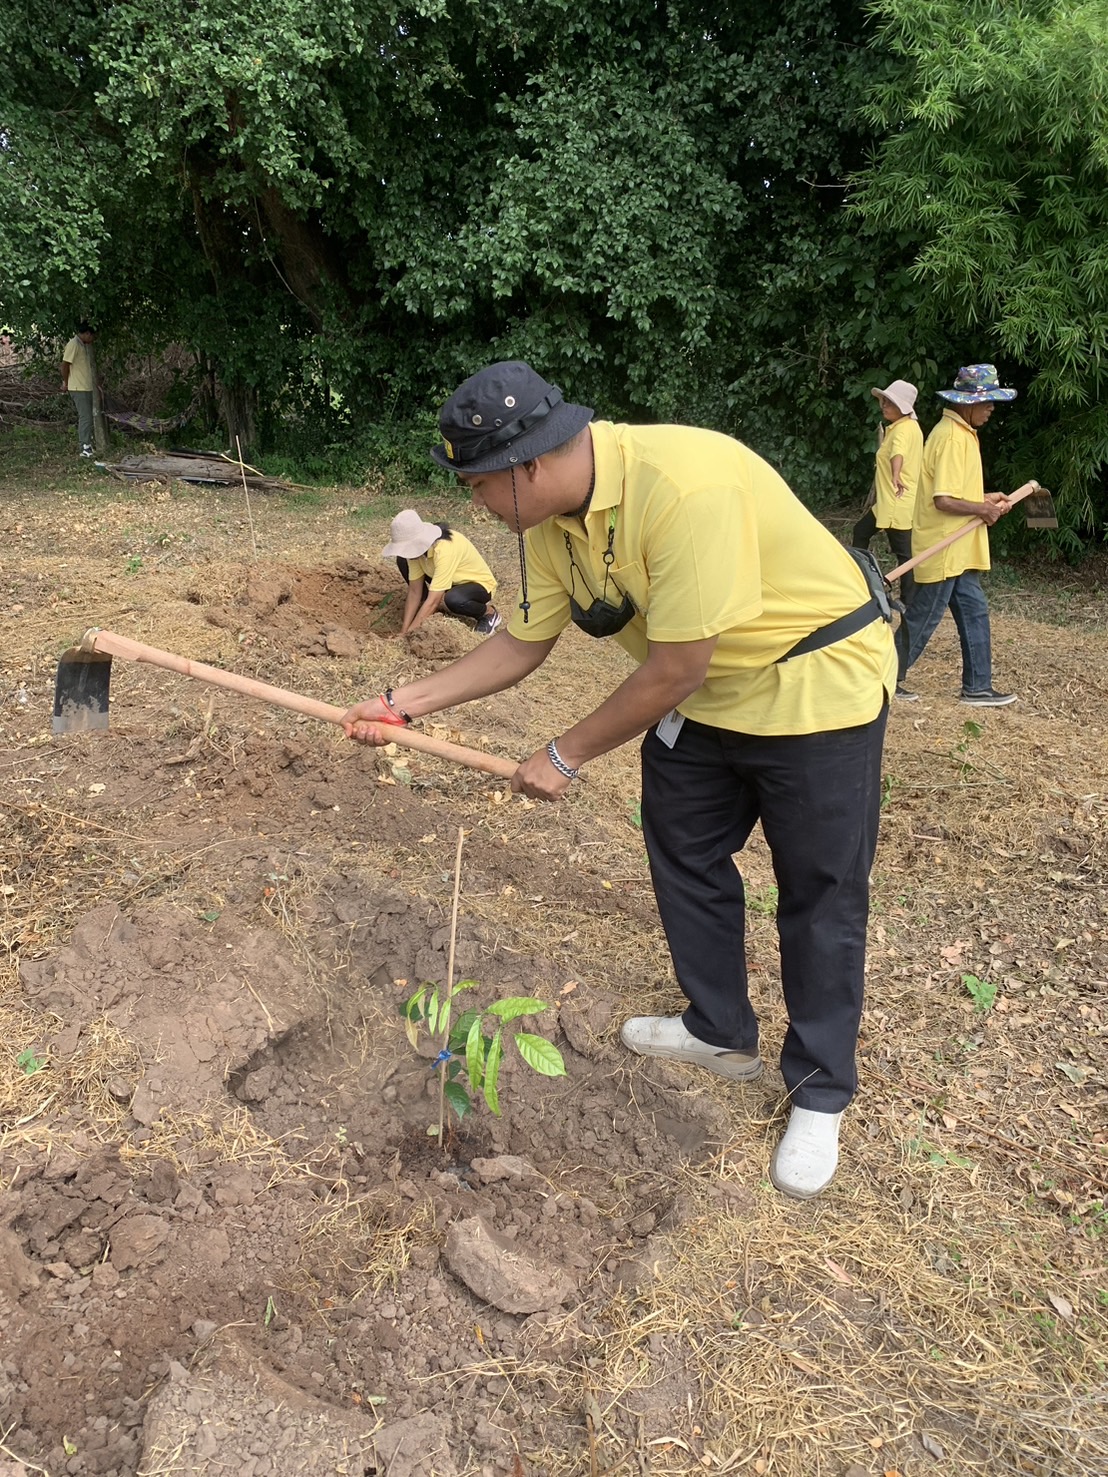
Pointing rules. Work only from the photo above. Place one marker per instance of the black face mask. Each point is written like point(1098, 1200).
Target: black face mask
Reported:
point(602, 617)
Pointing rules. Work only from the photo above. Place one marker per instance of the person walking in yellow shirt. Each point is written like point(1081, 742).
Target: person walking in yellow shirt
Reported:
point(895, 477)
point(79, 378)
point(952, 489)
point(443, 571)
point(764, 670)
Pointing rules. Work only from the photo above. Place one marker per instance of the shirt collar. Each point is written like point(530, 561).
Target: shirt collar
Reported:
point(607, 489)
point(952, 415)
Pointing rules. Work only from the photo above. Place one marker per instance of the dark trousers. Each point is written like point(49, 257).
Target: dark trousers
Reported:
point(818, 797)
point(900, 542)
point(82, 401)
point(469, 599)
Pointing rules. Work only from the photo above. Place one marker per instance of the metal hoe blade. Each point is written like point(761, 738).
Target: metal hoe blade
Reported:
point(81, 691)
point(1040, 511)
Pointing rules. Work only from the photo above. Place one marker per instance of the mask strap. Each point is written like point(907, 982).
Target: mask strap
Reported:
point(609, 559)
point(609, 556)
point(524, 604)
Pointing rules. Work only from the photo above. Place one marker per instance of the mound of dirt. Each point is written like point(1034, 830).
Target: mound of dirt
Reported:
point(331, 610)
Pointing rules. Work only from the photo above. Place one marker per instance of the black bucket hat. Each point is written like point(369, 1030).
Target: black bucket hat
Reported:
point(502, 416)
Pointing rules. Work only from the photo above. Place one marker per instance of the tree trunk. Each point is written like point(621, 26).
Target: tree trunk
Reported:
point(236, 411)
point(101, 440)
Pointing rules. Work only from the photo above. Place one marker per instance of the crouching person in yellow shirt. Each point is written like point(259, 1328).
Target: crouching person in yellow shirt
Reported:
point(443, 571)
point(765, 668)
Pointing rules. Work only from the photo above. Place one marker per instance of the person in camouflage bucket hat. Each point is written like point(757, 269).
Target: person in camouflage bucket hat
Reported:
point(952, 489)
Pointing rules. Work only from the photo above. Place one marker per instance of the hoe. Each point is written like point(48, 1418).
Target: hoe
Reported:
point(85, 673)
point(1040, 514)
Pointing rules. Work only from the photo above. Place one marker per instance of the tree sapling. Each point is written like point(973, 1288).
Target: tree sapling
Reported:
point(462, 1045)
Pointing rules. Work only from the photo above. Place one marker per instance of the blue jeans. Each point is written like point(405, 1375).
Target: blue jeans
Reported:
point(966, 599)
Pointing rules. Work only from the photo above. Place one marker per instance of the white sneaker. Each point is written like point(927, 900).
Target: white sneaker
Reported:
point(805, 1160)
point(665, 1036)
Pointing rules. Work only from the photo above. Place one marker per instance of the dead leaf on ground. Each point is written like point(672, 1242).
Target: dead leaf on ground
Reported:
point(931, 1446)
point(1062, 1306)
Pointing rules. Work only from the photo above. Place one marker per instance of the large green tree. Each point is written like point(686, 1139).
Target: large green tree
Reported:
point(344, 209)
point(994, 162)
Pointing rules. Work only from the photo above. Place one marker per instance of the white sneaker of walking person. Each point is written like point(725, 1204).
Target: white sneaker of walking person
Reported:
point(665, 1036)
point(805, 1160)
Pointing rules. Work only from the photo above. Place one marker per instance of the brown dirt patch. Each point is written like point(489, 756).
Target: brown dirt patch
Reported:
point(230, 1244)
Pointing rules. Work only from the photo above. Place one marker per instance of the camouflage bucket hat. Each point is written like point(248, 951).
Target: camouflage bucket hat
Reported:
point(974, 384)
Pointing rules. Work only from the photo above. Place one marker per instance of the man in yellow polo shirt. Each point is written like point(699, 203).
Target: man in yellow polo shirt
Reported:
point(952, 489)
point(765, 668)
point(78, 377)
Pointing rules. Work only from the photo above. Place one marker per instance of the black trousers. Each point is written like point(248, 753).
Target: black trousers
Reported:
point(818, 797)
point(900, 542)
point(469, 599)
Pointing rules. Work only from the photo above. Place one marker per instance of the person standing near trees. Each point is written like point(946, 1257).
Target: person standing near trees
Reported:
point(79, 378)
point(443, 570)
point(952, 489)
point(895, 477)
point(764, 673)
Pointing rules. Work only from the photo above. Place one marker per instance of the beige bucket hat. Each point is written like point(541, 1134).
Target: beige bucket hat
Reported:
point(411, 537)
point(901, 393)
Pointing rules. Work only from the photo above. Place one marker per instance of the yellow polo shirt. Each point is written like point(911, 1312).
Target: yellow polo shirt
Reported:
point(951, 468)
point(450, 562)
point(902, 438)
point(76, 355)
point(710, 541)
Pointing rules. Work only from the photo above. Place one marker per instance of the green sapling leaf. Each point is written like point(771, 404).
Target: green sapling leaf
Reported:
point(433, 1013)
point(515, 1006)
point(475, 1055)
point(413, 1014)
point(458, 1098)
point(492, 1072)
point(540, 1055)
point(459, 1032)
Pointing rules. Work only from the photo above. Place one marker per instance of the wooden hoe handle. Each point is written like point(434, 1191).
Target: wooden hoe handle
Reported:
point(971, 523)
point(405, 738)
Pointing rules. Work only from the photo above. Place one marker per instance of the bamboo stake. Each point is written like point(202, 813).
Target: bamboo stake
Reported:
point(450, 986)
point(246, 491)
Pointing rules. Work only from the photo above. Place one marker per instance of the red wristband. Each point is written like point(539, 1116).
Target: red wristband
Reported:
point(393, 715)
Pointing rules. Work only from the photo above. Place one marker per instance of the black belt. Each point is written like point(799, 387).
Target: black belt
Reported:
point(839, 630)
